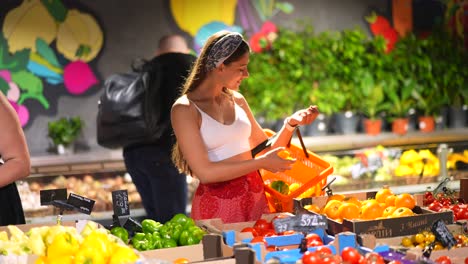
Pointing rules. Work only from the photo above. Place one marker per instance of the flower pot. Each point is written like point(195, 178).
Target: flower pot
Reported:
point(457, 116)
point(426, 123)
point(346, 123)
point(319, 127)
point(65, 150)
point(400, 126)
point(373, 126)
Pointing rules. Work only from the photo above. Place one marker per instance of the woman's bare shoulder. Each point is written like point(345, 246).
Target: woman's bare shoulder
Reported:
point(239, 98)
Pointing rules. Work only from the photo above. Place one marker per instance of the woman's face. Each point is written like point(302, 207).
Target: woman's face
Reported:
point(235, 72)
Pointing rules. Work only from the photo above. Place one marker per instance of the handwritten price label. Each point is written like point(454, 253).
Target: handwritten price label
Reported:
point(120, 202)
point(300, 223)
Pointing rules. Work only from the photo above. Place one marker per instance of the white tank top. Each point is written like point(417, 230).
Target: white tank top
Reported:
point(225, 141)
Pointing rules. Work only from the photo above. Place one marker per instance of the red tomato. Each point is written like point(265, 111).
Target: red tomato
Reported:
point(262, 224)
point(259, 239)
point(351, 255)
point(313, 240)
point(268, 232)
point(443, 260)
point(466, 260)
point(435, 206)
point(330, 259)
point(462, 214)
point(374, 258)
point(251, 230)
point(310, 258)
point(323, 250)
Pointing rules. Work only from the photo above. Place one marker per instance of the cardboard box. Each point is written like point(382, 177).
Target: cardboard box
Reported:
point(381, 228)
point(212, 250)
point(231, 231)
point(457, 255)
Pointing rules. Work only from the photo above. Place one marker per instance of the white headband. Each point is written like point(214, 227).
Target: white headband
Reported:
point(223, 49)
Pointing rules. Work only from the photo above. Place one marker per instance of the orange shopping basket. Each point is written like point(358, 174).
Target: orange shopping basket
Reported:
point(308, 175)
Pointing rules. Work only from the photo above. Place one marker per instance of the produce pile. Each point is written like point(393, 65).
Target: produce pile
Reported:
point(390, 165)
point(386, 204)
point(179, 231)
point(64, 244)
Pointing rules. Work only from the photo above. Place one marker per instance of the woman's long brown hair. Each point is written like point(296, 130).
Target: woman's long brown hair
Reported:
point(196, 77)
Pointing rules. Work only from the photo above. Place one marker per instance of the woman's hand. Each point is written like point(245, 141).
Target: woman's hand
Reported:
point(303, 116)
point(274, 163)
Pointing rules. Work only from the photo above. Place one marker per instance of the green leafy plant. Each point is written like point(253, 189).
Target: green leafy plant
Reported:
point(281, 77)
point(65, 130)
point(400, 97)
point(373, 100)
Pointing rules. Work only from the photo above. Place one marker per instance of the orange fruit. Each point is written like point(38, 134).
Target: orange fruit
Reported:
point(331, 209)
point(402, 211)
point(405, 200)
point(348, 211)
point(353, 200)
point(180, 261)
point(382, 194)
point(371, 211)
point(390, 200)
point(285, 154)
point(313, 208)
point(338, 197)
point(388, 211)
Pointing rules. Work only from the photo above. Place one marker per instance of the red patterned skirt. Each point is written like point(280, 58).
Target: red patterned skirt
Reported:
point(238, 200)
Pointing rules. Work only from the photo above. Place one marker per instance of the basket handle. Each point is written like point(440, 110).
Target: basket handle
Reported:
point(299, 136)
point(267, 143)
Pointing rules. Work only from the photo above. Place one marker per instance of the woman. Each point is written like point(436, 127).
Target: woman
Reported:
point(216, 130)
point(15, 166)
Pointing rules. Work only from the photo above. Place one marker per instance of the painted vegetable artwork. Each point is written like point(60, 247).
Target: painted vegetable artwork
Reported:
point(380, 26)
point(211, 16)
point(45, 45)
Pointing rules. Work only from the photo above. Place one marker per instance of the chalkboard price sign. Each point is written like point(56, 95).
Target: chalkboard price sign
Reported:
point(47, 196)
point(120, 202)
point(82, 204)
point(442, 234)
point(300, 223)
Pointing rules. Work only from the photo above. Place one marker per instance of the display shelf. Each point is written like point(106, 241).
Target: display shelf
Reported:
point(95, 216)
point(413, 188)
point(81, 162)
point(339, 143)
point(112, 160)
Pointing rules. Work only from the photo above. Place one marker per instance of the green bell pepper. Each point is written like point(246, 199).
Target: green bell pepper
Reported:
point(168, 243)
point(150, 226)
point(191, 235)
point(121, 233)
point(141, 242)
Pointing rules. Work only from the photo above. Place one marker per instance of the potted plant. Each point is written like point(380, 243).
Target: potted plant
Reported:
point(327, 96)
point(429, 100)
point(401, 99)
point(63, 133)
point(280, 76)
point(373, 103)
point(449, 61)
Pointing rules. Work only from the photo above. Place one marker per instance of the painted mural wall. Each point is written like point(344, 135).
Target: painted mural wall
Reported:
point(55, 55)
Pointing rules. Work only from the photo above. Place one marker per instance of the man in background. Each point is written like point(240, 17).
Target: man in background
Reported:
point(162, 188)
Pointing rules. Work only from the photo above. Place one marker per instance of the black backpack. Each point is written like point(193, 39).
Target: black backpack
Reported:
point(120, 118)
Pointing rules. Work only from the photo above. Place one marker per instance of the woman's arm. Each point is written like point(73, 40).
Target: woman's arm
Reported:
point(301, 117)
point(13, 147)
point(186, 128)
